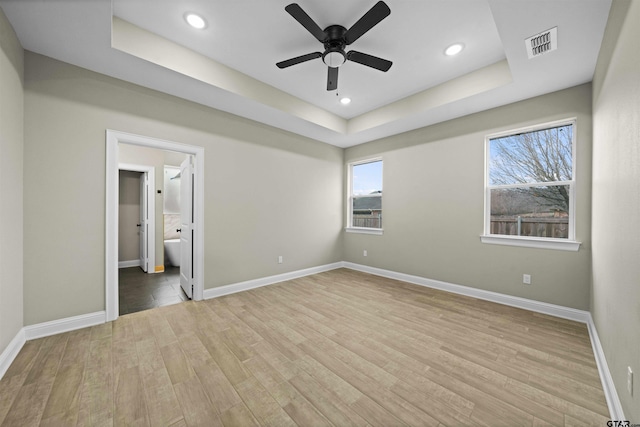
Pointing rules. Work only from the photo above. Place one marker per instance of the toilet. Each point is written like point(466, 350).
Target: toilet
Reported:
point(172, 252)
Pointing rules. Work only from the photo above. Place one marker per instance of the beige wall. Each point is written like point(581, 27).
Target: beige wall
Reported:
point(271, 193)
point(137, 155)
point(11, 183)
point(267, 192)
point(433, 205)
point(129, 216)
point(616, 200)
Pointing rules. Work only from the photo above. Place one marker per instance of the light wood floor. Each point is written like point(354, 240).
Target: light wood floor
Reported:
point(339, 348)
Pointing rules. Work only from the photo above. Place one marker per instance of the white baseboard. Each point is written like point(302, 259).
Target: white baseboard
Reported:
point(12, 350)
point(91, 319)
point(609, 388)
point(127, 264)
point(524, 303)
point(264, 281)
point(611, 395)
point(46, 329)
point(67, 324)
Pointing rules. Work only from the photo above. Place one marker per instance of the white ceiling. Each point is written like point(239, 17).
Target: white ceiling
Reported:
point(230, 65)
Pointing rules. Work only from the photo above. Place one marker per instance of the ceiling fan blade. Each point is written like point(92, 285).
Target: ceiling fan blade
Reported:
point(305, 20)
point(369, 20)
point(369, 60)
point(298, 59)
point(332, 79)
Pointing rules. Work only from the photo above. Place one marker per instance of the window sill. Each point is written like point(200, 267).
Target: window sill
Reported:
point(532, 242)
point(362, 230)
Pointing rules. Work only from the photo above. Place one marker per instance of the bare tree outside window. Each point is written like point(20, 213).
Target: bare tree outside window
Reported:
point(530, 179)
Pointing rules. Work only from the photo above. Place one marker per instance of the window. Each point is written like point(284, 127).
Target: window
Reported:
point(365, 197)
point(529, 191)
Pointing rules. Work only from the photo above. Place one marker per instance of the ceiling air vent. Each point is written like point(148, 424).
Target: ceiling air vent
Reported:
point(542, 43)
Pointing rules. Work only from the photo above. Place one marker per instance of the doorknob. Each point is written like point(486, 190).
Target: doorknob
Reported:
point(138, 225)
point(178, 230)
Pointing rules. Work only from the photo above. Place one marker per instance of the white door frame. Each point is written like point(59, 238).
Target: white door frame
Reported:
point(113, 138)
point(151, 190)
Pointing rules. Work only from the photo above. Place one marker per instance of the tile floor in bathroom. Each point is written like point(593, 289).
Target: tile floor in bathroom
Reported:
point(139, 291)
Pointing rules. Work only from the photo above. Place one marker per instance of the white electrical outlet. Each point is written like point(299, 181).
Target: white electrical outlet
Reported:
point(526, 279)
point(364, 253)
point(280, 259)
point(630, 380)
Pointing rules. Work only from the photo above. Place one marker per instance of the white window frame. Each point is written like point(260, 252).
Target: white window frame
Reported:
point(568, 244)
point(350, 228)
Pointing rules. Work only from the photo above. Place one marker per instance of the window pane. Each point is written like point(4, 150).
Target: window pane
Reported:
point(539, 156)
point(533, 211)
point(367, 212)
point(367, 178)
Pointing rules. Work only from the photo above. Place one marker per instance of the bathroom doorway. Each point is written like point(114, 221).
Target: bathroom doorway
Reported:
point(143, 281)
point(178, 218)
point(159, 187)
point(191, 275)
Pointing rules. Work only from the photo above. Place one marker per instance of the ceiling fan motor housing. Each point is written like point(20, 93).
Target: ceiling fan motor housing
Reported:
point(334, 54)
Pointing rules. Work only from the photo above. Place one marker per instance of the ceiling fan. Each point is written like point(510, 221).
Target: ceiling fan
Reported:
point(335, 38)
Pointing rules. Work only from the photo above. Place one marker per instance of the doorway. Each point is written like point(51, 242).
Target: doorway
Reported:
point(136, 219)
point(141, 284)
point(194, 258)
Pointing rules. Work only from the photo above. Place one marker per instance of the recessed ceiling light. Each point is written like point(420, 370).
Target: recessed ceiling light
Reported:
point(345, 101)
point(196, 21)
point(454, 49)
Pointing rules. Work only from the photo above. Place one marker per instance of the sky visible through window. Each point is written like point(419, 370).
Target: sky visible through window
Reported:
point(539, 156)
point(367, 178)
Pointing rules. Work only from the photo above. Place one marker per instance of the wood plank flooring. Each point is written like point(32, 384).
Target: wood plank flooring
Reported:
point(340, 348)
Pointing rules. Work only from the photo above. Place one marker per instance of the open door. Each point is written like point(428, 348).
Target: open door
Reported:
point(186, 227)
point(143, 225)
point(196, 262)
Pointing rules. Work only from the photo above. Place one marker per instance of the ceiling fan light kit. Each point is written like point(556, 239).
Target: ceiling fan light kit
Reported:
point(335, 38)
point(334, 58)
